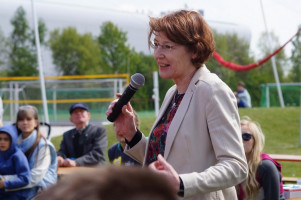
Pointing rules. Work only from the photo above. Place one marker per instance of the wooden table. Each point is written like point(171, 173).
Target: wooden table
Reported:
point(289, 158)
point(62, 171)
point(284, 157)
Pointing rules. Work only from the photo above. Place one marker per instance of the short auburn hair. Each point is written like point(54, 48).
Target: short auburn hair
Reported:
point(186, 28)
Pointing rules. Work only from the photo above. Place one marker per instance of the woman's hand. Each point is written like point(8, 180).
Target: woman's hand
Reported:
point(162, 167)
point(125, 122)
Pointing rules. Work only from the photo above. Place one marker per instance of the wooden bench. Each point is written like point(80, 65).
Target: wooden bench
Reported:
point(284, 157)
point(292, 180)
point(290, 158)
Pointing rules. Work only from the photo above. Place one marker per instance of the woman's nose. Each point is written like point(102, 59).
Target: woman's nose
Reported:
point(158, 53)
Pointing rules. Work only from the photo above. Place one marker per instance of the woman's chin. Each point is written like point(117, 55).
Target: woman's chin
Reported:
point(164, 74)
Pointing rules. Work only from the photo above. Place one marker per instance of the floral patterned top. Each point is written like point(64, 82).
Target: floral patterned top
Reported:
point(158, 136)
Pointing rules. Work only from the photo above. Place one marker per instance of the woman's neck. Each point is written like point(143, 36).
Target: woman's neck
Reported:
point(183, 82)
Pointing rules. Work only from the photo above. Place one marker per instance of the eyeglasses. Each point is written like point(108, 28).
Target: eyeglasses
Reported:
point(165, 47)
point(247, 136)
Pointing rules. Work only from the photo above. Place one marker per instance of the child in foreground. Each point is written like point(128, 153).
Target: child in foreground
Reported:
point(14, 168)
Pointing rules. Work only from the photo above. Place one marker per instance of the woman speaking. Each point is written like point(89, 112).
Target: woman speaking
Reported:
point(195, 142)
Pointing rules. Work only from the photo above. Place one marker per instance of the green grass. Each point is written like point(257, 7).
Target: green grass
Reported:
point(280, 126)
point(281, 129)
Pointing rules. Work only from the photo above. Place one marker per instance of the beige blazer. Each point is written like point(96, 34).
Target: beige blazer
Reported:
point(203, 142)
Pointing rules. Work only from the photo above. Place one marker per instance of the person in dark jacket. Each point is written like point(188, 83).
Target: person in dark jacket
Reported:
point(14, 168)
point(86, 144)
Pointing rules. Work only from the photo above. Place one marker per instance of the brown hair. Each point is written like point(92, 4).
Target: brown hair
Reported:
point(23, 112)
point(186, 28)
point(111, 183)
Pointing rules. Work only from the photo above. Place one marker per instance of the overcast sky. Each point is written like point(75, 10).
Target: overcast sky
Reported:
point(282, 16)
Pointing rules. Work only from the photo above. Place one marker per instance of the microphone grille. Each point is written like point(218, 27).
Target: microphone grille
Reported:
point(137, 80)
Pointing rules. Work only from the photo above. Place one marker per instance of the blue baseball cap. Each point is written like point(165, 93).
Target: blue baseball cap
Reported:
point(78, 105)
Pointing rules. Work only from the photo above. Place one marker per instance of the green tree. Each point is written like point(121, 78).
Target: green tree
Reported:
point(237, 50)
point(295, 72)
point(4, 52)
point(234, 49)
point(113, 47)
point(265, 73)
point(73, 53)
point(266, 69)
point(23, 61)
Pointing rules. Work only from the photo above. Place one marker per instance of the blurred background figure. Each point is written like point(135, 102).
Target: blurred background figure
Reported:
point(1, 112)
point(40, 152)
point(84, 145)
point(264, 178)
point(243, 96)
point(111, 183)
point(115, 152)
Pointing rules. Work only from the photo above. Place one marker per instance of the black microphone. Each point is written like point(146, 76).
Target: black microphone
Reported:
point(137, 80)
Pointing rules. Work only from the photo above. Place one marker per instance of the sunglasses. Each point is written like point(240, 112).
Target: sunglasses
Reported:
point(247, 136)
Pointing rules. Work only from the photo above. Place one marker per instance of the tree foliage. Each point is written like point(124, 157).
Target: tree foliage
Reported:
point(75, 54)
point(295, 72)
point(4, 51)
point(23, 61)
point(80, 54)
point(236, 50)
point(267, 69)
point(115, 51)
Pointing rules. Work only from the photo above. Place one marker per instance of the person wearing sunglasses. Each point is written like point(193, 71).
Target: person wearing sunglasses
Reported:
point(264, 178)
point(195, 142)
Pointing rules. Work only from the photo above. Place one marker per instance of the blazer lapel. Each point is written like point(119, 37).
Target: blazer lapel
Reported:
point(164, 105)
point(179, 116)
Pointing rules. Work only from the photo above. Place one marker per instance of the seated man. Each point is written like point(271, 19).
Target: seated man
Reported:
point(1, 111)
point(86, 144)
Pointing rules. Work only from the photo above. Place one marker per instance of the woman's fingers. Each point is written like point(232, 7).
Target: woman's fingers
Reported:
point(158, 165)
point(163, 162)
point(110, 108)
point(162, 167)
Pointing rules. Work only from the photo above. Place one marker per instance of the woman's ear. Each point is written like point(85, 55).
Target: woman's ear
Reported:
point(194, 55)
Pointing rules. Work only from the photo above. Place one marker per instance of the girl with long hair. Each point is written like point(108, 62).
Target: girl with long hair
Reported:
point(40, 152)
point(264, 178)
